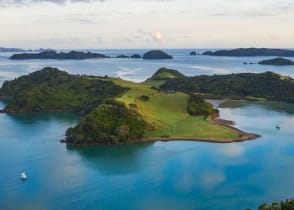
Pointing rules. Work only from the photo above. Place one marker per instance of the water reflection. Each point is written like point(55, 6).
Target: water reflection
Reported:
point(268, 105)
point(65, 117)
point(114, 160)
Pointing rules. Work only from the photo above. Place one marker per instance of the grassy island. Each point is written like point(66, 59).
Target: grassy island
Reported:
point(115, 111)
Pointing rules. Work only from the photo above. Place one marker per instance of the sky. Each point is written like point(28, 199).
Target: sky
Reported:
point(114, 24)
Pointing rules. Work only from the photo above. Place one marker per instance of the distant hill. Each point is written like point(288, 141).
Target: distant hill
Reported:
point(51, 54)
point(277, 62)
point(4, 49)
point(162, 75)
point(252, 52)
point(157, 54)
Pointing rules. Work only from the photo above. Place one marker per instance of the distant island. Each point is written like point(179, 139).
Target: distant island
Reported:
point(157, 54)
point(14, 50)
point(277, 62)
point(76, 55)
point(115, 111)
point(252, 52)
point(51, 54)
point(193, 53)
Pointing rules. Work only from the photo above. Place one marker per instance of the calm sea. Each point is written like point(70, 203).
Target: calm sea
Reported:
point(173, 175)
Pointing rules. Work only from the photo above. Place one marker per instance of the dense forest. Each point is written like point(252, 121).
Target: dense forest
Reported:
point(198, 107)
point(284, 205)
point(51, 90)
point(266, 85)
point(110, 123)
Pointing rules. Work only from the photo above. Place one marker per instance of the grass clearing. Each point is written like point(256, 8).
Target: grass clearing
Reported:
point(168, 113)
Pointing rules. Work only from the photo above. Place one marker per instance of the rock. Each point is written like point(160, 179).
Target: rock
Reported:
point(193, 53)
point(156, 54)
point(122, 56)
point(62, 141)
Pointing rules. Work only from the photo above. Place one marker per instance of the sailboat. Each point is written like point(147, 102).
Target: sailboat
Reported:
point(23, 176)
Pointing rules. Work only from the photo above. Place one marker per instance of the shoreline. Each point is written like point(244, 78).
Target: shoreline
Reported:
point(244, 136)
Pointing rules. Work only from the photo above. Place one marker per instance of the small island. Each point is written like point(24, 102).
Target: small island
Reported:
point(252, 52)
point(157, 54)
point(136, 56)
point(51, 54)
point(277, 62)
point(193, 53)
point(167, 106)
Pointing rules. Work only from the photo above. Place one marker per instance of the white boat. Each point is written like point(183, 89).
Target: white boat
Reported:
point(23, 176)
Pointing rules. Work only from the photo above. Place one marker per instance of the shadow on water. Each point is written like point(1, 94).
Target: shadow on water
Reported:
point(66, 117)
point(114, 160)
point(269, 105)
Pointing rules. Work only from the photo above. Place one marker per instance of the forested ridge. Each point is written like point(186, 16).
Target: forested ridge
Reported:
point(267, 85)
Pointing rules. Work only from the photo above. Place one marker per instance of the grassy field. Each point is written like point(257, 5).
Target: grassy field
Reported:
point(168, 114)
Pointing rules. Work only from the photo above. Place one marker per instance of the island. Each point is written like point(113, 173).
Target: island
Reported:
point(277, 62)
point(157, 54)
point(193, 53)
point(252, 52)
point(136, 56)
point(167, 106)
point(13, 50)
point(51, 54)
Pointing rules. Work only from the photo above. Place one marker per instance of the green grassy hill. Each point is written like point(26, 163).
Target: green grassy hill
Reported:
point(168, 114)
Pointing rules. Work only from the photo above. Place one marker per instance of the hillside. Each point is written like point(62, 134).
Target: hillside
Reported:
point(51, 90)
point(268, 85)
point(162, 75)
point(168, 115)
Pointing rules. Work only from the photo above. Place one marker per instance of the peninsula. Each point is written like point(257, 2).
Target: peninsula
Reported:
point(252, 52)
point(115, 111)
point(51, 54)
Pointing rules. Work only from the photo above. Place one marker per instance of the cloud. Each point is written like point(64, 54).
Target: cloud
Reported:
point(151, 36)
point(15, 3)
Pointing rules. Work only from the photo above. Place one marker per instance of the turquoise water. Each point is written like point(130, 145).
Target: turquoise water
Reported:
point(172, 175)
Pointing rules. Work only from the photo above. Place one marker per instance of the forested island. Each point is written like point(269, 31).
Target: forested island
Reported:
point(156, 54)
point(277, 62)
point(77, 55)
point(252, 52)
point(51, 54)
point(166, 106)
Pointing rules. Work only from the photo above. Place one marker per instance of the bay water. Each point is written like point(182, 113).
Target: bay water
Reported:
point(161, 175)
